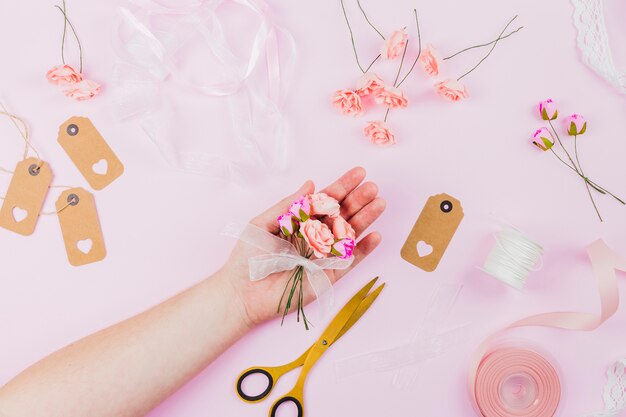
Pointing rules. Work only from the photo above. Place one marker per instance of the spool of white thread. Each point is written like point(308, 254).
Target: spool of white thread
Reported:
point(513, 258)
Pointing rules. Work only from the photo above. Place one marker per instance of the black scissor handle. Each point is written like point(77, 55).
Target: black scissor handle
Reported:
point(283, 400)
point(252, 398)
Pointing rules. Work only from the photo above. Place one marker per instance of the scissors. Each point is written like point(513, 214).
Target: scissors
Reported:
point(343, 321)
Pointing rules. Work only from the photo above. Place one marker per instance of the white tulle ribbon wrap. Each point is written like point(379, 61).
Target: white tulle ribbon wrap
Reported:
point(178, 50)
point(280, 255)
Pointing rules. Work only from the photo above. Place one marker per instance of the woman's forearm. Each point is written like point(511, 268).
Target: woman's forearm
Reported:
point(129, 368)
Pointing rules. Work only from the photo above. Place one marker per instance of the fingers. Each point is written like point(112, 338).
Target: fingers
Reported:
point(363, 248)
point(267, 219)
point(345, 184)
point(367, 215)
point(358, 199)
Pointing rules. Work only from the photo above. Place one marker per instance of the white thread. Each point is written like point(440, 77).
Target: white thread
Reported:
point(513, 258)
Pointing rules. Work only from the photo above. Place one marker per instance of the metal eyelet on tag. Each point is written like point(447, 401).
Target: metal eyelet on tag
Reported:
point(93, 157)
point(432, 232)
point(25, 196)
point(80, 227)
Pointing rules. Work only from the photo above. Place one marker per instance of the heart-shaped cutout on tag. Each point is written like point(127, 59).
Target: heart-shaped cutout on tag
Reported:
point(84, 245)
point(101, 167)
point(19, 214)
point(424, 249)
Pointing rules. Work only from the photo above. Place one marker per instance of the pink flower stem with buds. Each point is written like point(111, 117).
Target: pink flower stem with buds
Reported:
point(484, 44)
point(66, 22)
point(490, 50)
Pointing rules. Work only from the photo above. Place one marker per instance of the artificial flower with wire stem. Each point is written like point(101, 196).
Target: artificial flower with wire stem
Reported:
point(547, 139)
point(66, 75)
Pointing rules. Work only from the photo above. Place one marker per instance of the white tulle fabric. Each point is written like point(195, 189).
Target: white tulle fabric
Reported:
point(280, 255)
point(177, 65)
point(614, 391)
point(593, 41)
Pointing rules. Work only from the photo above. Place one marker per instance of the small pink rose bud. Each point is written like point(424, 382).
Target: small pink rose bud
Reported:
point(301, 209)
point(577, 125)
point(543, 139)
point(548, 110)
point(343, 248)
point(286, 224)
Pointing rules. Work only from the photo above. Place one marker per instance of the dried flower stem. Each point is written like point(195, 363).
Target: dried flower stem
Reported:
point(582, 173)
point(368, 20)
point(490, 50)
point(484, 44)
point(65, 23)
point(419, 50)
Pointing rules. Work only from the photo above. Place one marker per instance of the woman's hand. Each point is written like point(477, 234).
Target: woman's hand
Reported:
point(360, 206)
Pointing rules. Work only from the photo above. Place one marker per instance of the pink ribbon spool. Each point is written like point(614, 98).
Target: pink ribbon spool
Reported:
point(518, 382)
point(513, 382)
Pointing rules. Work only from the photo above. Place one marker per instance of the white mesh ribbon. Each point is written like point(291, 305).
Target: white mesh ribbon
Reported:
point(209, 99)
point(280, 255)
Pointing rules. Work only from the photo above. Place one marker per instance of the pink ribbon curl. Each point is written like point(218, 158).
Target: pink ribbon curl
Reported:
point(493, 374)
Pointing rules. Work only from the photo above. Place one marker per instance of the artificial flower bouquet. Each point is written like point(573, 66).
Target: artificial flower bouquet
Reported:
point(315, 228)
point(546, 139)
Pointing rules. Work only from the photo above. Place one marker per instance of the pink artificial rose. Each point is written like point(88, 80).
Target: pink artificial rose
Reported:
point(548, 110)
point(395, 44)
point(430, 60)
point(576, 125)
point(391, 97)
point(378, 133)
point(543, 139)
point(286, 224)
point(301, 209)
point(83, 90)
point(342, 229)
point(368, 83)
point(64, 75)
point(347, 102)
point(318, 236)
point(343, 248)
point(323, 205)
point(451, 90)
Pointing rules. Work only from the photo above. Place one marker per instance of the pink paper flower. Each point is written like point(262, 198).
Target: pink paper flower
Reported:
point(543, 139)
point(430, 60)
point(323, 205)
point(391, 97)
point(286, 224)
point(342, 229)
point(378, 133)
point(301, 209)
point(394, 45)
point(548, 110)
point(368, 83)
point(343, 248)
point(577, 125)
point(64, 75)
point(318, 236)
point(347, 102)
point(451, 90)
point(83, 90)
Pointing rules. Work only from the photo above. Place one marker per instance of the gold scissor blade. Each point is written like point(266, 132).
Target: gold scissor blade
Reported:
point(346, 313)
point(360, 310)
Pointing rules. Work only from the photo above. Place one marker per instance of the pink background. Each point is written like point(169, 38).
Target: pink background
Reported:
point(162, 227)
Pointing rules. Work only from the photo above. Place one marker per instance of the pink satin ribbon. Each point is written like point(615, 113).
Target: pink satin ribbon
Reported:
point(492, 374)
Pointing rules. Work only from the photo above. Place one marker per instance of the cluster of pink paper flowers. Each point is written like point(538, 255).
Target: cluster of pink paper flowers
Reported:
point(370, 88)
point(78, 87)
point(299, 222)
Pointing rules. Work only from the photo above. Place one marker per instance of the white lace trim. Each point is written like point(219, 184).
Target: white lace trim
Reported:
point(593, 41)
point(614, 391)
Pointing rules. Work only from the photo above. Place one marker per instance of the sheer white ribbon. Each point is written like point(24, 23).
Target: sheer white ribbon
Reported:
point(150, 39)
point(280, 255)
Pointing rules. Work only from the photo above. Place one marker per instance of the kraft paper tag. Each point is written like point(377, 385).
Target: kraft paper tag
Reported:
point(80, 227)
point(89, 151)
point(432, 232)
point(25, 196)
